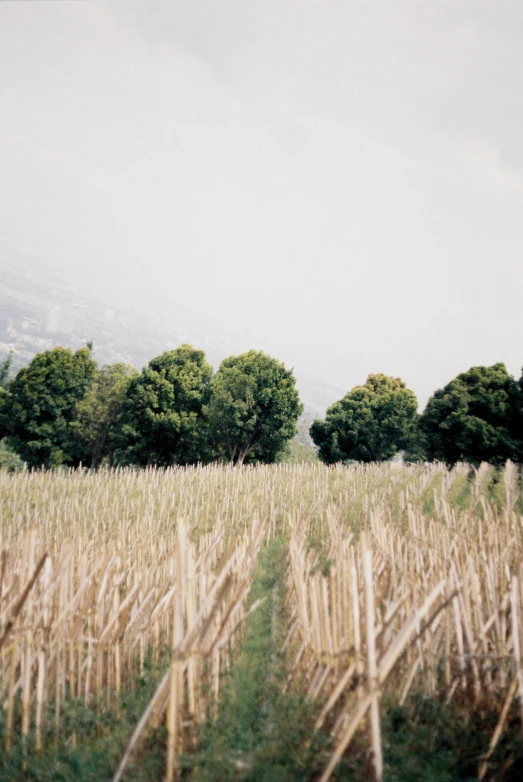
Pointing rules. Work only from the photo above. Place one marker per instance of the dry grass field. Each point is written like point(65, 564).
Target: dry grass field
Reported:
point(269, 623)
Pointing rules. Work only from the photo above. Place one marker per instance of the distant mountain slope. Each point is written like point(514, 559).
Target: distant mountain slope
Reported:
point(40, 308)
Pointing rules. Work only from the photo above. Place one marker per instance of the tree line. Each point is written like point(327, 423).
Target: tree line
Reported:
point(477, 417)
point(63, 409)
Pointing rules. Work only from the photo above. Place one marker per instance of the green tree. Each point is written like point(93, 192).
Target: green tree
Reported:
point(518, 428)
point(415, 449)
point(164, 422)
point(475, 418)
point(5, 368)
point(253, 409)
point(370, 424)
point(98, 416)
point(40, 404)
point(9, 460)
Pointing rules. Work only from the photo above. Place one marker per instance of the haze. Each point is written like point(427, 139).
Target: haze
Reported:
point(338, 183)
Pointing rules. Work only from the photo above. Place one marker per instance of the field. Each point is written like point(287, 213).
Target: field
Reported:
point(267, 624)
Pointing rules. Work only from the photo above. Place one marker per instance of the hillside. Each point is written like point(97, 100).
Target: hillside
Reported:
point(40, 308)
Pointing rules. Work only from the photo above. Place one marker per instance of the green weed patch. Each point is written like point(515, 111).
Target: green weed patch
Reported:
point(93, 740)
point(260, 731)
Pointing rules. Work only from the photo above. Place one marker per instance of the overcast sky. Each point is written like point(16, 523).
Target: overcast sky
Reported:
point(338, 182)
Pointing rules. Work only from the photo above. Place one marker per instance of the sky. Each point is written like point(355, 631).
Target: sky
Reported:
point(336, 182)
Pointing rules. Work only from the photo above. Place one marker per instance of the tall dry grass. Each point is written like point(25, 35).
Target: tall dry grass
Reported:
point(399, 578)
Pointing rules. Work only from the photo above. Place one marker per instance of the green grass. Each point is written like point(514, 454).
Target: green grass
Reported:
point(460, 492)
point(260, 733)
point(101, 736)
point(427, 497)
point(427, 741)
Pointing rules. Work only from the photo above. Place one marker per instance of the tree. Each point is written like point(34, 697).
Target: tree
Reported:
point(5, 368)
point(253, 409)
point(98, 416)
point(370, 424)
point(518, 426)
point(475, 418)
point(164, 422)
point(40, 404)
point(9, 460)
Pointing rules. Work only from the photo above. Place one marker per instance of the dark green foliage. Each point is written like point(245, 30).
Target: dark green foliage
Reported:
point(253, 408)
point(101, 735)
point(5, 368)
point(260, 733)
point(9, 460)
point(370, 424)
point(416, 450)
point(4, 417)
point(519, 417)
point(37, 411)
point(475, 418)
point(426, 740)
point(164, 422)
point(98, 416)
point(62, 410)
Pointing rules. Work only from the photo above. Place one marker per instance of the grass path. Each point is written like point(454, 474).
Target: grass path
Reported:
point(259, 732)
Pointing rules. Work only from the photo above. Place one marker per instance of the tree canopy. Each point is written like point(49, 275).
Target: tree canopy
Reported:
point(63, 410)
point(475, 418)
point(370, 424)
point(38, 408)
point(98, 416)
point(164, 422)
point(253, 409)
point(5, 368)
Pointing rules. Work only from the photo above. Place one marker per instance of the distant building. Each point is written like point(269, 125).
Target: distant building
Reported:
point(30, 323)
point(59, 321)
